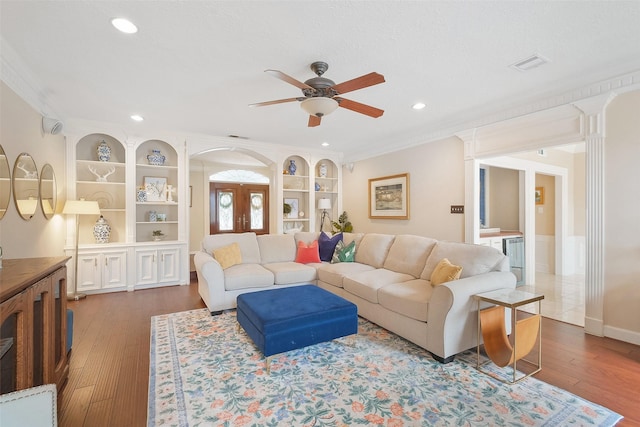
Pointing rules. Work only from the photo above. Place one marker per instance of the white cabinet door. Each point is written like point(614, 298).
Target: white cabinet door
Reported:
point(102, 270)
point(169, 265)
point(114, 270)
point(157, 266)
point(89, 272)
point(146, 267)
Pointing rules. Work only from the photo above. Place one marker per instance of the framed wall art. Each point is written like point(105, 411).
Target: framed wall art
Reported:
point(156, 189)
point(389, 197)
point(539, 195)
point(294, 208)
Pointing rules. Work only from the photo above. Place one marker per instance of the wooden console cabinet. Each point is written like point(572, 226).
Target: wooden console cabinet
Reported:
point(33, 319)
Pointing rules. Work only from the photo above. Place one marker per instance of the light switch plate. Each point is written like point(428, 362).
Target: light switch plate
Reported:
point(457, 209)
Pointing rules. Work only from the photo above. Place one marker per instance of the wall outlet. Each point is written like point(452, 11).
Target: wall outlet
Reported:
point(457, 209)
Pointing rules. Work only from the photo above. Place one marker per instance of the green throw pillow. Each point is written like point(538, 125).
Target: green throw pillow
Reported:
point(344, 253)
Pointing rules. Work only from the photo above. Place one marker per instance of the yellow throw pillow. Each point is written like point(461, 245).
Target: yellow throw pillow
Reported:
point(228, 256)
point(445, 272)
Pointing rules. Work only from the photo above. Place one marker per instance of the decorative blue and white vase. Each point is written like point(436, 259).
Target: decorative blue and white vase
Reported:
point(317, 186)
point(141, 195)
point(104, 151)
point(102, 230)
point(322, 171)
point(156, 158)
point(153, 216)
point(292, 167)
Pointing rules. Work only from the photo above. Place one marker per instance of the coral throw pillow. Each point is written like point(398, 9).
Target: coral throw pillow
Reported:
point(344, 253)
point(228, 256)
point(445, 272)
point(328, 245)
point(307, 254)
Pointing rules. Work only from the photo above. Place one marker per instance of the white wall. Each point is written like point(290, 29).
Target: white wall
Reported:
point(504, 198)
point(436, 174)
point(21, 131)
point(622, 217)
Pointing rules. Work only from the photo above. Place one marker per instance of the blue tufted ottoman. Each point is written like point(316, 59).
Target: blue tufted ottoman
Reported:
point(280, 320)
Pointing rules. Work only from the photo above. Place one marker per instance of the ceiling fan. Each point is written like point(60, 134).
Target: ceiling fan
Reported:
point(322, 96)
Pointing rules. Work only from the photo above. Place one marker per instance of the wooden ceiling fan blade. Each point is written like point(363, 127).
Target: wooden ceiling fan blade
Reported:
point(277, 101)
point(365, 109)
point(359, 83)
point(314, 121)
point(282, 76)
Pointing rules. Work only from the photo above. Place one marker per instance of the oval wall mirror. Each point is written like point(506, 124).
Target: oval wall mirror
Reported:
point(48, 191)
point(5, 183)
point(25, 186)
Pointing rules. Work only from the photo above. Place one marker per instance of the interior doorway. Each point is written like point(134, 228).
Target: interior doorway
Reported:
point(554, 221)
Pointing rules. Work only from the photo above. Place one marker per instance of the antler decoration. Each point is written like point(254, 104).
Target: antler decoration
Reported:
point(102, 178)
point(27, 173)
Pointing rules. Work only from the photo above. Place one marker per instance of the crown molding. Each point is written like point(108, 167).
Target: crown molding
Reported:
point(602, 89)
point(17, 75)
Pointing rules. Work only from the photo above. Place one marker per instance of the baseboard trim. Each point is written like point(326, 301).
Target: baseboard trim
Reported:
point(594, 326)
point(622, 335)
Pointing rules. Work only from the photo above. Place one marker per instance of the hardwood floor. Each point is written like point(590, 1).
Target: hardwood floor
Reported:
point(109, 371)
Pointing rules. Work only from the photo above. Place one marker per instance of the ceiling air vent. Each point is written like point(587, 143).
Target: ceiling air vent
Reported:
point(529, 63)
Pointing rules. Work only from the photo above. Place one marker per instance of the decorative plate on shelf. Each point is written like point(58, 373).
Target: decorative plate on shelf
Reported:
point(104, 199)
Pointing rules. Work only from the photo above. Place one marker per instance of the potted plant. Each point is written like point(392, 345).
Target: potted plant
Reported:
point(343, 224)
point(286, 209)
point(158, 235)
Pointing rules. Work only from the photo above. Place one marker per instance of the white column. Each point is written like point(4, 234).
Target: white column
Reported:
point(594, 128)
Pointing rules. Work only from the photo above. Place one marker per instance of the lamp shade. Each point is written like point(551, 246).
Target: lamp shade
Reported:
point(319, 106)
point(324, 204)
point(27, 207)
point(81, 207)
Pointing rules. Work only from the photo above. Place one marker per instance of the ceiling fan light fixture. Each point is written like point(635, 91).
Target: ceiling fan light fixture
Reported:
point(319, 106)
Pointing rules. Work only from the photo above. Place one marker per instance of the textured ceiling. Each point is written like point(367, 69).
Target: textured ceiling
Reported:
point(194, 66)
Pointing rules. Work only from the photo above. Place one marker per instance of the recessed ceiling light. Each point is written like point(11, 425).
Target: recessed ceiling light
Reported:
point(419, 105)
point(124, 25)
point(325, 144)
point(137, 118)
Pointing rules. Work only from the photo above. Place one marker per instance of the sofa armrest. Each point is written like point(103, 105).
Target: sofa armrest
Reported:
point(452, 320)
point(210, 279)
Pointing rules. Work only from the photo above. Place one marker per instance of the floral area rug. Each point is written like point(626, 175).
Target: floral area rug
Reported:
point(205, 371)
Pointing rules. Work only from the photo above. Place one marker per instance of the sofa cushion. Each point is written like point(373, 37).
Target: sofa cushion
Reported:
point(344, 252)
point(328, 245)
point(474, 259)
point(244, 276)
point(407, 298)
point(286, 273)
point(276, 247)
point(228, 256)
point(333, 274)
point(373, 249)
point(408, 254)
point(445, 272)
point(352, 237)
point(308, 253)
point(247, 242)
point(366, 284)
point(306, 236)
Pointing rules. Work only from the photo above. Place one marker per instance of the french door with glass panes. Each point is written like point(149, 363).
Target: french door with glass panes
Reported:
point(238, 208)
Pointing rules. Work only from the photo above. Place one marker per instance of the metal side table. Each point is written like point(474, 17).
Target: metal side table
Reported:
point(502, 350)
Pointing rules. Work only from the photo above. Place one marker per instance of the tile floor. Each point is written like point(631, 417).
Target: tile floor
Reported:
point(563, 297)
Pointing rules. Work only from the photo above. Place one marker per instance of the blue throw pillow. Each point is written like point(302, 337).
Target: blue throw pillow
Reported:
point(328, 245)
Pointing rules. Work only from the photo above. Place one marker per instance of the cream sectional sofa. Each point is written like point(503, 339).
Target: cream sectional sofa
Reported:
point(389, 281)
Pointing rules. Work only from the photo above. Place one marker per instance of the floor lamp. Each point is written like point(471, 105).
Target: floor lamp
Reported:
point(77, 208)
point(325, 205)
